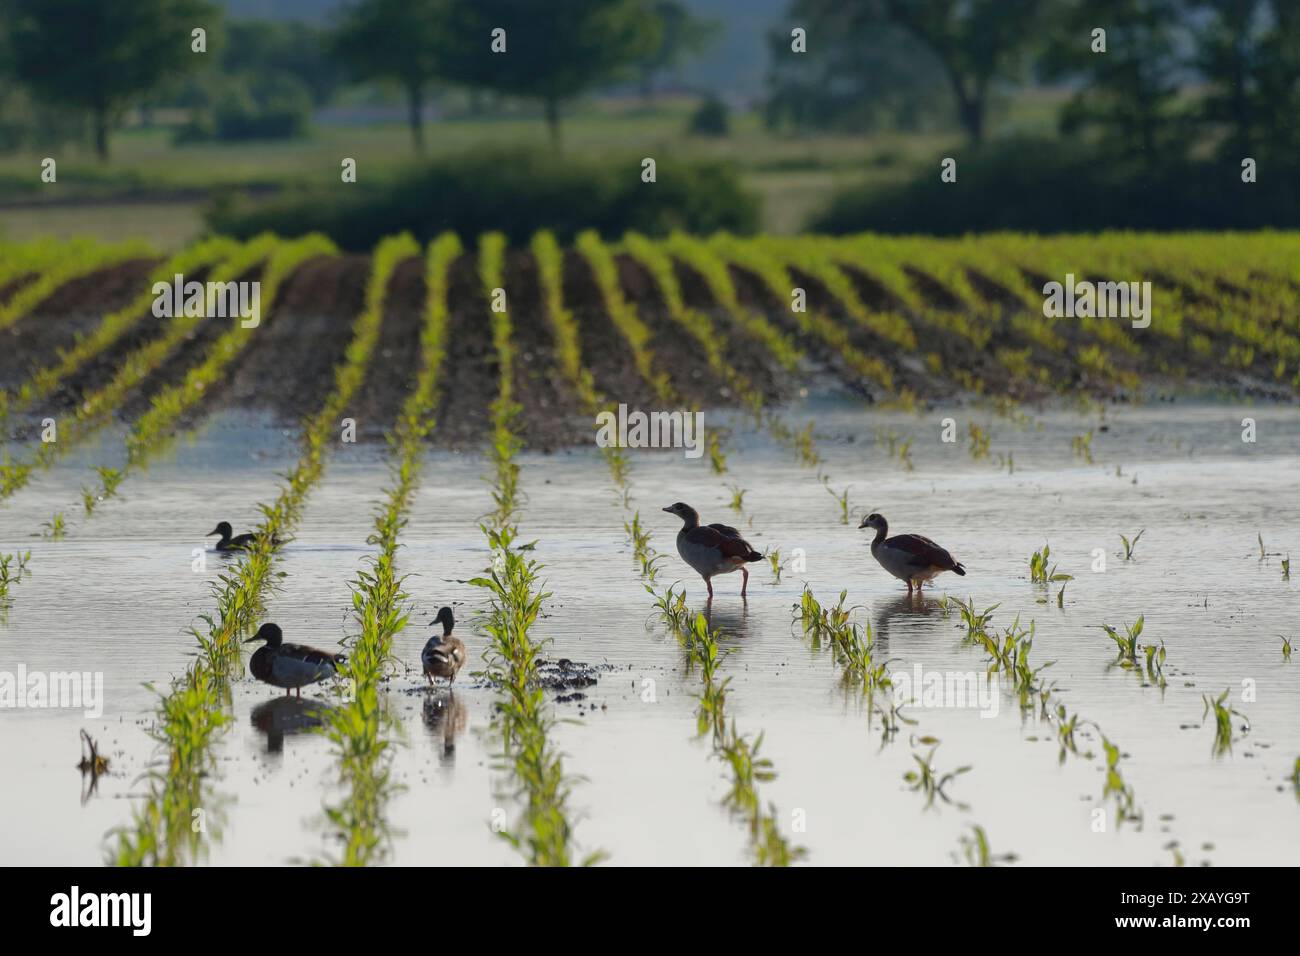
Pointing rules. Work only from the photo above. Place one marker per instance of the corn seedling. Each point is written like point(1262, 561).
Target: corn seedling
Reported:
point(979, 441)
point(1131, 546)
point(1126, 808)
point(1223, 713)
point(1127, 643)
point(975, 849)
point(1081, 445)
point(55, 528)
point(1039, 573)
point(929, 782)
point(1286, 648)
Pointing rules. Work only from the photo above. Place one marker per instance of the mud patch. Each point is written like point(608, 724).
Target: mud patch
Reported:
point(396, 364)
point(14, 286)
point(745, 353)
point(676, 352)
point(470, 369)
point(552, 415)
point(288, 367)
point(73, 310)
point(604, 351)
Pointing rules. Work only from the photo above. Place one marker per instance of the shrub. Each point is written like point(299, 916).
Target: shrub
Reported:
point(1049, 187)
point(513, 192)
point(709, 119)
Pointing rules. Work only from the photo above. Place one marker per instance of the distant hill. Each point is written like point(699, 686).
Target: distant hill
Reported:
point(734, 65)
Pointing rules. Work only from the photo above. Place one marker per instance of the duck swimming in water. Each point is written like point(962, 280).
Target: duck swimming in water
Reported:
point(909, 557)
point(444, 655)
point(712, 549)
point(231, 541)
point(291, 666)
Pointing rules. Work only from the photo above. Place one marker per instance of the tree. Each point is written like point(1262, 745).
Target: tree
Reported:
point(977, 41)
point(1131, 89)
point(1249, 51)
point(681, 35)
point(554, 51)
point(99, 55)
point(399, 40)
point(862, 73)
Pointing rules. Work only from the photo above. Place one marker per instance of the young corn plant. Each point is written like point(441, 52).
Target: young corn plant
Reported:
point(1131, 546)
point(193, 712)
point(1081, 445)
point(12, 568)
point(1117, 789)
point(929, 781)
point(1223, 712)
point(1126, 643)
point(976, 851)
point(55, 528)
point(1286, 647)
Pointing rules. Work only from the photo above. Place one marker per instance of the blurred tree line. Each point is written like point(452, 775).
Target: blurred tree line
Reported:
point(1174, 74)
point(88, 61)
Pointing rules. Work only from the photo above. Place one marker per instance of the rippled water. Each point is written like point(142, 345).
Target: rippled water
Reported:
point(119, 593)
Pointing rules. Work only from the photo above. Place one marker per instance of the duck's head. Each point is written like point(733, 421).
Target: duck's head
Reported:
point(222, 529)
point(683, 511)
point(446, 619)
point(268, 632)
point(874, 521)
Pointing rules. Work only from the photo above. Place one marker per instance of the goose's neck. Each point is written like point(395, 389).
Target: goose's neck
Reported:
point(880, 535)
point(446, 629)
point(691, 521)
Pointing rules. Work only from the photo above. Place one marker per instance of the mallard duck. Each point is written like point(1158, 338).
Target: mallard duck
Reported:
point(712, 549)
point(229, 540)
point(291, 666)
point(909, 557)
point(443, 655)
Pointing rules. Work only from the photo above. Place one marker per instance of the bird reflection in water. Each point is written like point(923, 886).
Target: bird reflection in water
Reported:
point(730, 621)
point(912, 612)
point(282, 717)
point(445, 716)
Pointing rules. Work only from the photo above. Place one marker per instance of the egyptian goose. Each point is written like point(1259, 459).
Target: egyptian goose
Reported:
point(444, 655)
point(291, 666)
point(909, 557)
point(712, 549)
point(228, 543)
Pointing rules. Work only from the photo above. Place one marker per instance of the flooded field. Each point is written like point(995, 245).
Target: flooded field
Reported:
point(118, 595)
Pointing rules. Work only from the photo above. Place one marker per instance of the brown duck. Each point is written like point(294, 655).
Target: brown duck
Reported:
point(712, 549)
point(443, 655)
point(912, 558)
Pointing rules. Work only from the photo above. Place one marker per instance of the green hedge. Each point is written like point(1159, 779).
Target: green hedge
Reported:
point(514, 192)
point(1057, 186)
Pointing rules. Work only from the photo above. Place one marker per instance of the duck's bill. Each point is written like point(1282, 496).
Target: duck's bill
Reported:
point(212, 532)
point(251, 639)
point(669, 510)
point(863, 525)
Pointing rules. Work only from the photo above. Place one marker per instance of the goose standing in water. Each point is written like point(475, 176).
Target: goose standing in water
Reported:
point(712, 549)
point(291, 666)
point(909, 557)
point(443, 655)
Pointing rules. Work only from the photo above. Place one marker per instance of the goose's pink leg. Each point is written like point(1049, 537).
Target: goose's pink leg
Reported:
point(744, 572)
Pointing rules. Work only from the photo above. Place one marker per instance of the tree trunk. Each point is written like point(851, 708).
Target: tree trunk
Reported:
point(415, 115)
point(101, 132)
point(552, 106)
point(970, 111)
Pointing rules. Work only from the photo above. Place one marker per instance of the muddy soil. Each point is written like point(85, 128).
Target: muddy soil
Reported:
point(191, 351)
point(15, 285)
point(675, 351)
point(396, 363)
point(552, 416)
point(288, 367)
point(753, 293)
point(72, 310)
point(743, 351)
point(470, 370)
point(604, 351)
